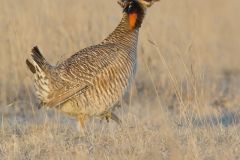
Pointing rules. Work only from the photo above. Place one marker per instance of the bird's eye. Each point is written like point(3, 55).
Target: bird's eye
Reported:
point(130, 6)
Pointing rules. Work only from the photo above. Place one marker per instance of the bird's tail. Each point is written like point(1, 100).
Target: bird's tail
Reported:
point(41, 70)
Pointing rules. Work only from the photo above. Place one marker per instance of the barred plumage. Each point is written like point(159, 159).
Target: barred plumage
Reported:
point(92, 81)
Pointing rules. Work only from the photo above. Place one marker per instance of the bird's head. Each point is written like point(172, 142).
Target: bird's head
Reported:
point(128, 4)
point(135, 9)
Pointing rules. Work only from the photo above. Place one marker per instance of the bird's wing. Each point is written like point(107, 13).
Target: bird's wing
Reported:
point(86, 64)
point(78, 72)
point(62, 95)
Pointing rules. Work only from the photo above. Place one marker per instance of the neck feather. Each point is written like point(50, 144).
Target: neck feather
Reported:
point(126, 32)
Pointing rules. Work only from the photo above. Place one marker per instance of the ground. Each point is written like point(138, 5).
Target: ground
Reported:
point(184, 103)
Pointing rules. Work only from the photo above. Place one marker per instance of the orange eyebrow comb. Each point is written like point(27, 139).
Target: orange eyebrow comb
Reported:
point(132, 19)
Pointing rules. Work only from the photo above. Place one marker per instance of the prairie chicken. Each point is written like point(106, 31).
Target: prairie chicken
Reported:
point(92, 81)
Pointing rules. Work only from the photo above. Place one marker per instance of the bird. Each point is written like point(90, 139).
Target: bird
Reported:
point(92, 81)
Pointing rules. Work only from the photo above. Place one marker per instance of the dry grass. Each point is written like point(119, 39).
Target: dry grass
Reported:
point(185, 100)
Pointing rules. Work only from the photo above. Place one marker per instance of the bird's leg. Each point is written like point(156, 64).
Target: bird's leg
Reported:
point(110, 115)
point(115, 118)
point(81, 120)
point(107, 116)
point(117, 105)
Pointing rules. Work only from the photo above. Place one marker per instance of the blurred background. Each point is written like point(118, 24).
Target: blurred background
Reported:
point(188, 77)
